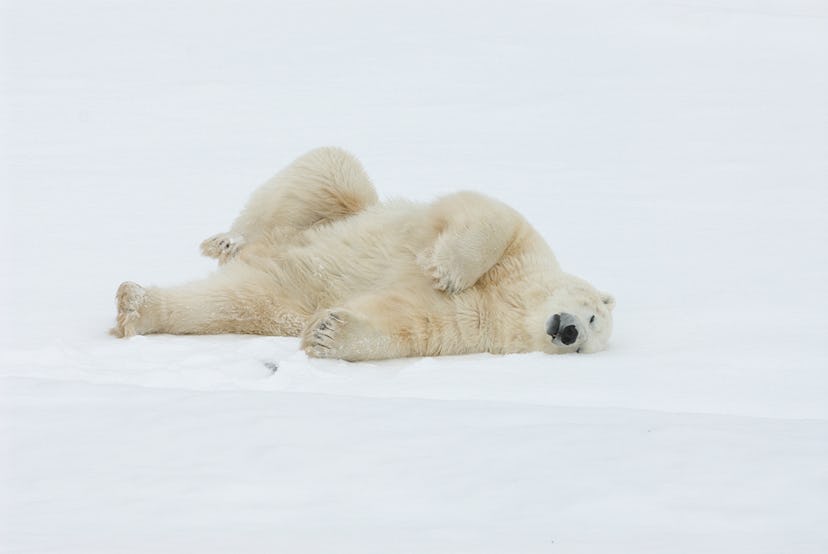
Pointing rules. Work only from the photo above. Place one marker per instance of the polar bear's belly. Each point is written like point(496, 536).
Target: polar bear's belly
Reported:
point(369, 252)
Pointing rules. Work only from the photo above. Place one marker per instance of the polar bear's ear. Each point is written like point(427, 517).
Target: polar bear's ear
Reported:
point(608, 299)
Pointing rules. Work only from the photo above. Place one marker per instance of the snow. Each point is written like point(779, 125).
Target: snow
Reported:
point(673, 153)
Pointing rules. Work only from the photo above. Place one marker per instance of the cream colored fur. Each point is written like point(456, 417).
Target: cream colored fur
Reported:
point(314, 254)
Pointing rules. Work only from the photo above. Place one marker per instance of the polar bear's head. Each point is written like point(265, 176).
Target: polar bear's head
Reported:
point(575, 317)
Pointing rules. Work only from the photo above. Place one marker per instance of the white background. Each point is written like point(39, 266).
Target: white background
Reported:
point(673, 153)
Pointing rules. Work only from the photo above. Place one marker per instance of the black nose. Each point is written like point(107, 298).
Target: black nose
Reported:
point(553, 325)
point(569, 334)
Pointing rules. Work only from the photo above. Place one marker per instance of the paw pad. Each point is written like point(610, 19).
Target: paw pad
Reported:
point(129, 299)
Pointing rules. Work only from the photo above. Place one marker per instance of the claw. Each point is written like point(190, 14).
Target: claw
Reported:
point(318, 335)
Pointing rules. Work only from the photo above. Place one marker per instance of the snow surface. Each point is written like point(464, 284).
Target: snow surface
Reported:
point(673, 153)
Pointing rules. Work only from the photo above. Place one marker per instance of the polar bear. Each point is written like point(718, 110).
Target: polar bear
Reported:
point(315, 254)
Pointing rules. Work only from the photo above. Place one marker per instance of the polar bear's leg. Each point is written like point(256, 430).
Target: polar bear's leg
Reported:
point(321, 186)
point(474, 233)
point(392, 325)
point(235, 300)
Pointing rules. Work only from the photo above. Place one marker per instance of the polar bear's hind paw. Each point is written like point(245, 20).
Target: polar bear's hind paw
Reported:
point(130, 299)
point(222, 247)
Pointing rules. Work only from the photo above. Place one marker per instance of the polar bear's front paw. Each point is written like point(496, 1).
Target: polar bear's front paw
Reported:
point(443, 276)
point(340, 333)
point(323, 337)
point(223, 246)
point(130, 298)
point(446, 280)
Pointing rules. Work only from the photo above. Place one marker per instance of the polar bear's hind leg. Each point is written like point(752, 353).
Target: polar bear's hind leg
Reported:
point(319, 187)
point(236, 299)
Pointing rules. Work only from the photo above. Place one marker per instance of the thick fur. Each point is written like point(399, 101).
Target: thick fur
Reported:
point(314, 254)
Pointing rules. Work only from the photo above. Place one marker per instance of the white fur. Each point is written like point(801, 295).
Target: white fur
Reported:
point(313, 254)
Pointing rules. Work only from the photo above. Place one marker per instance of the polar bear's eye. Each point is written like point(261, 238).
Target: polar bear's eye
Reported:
point(592, 319)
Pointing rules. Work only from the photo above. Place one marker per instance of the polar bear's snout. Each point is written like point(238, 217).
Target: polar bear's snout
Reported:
point(563, 328)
